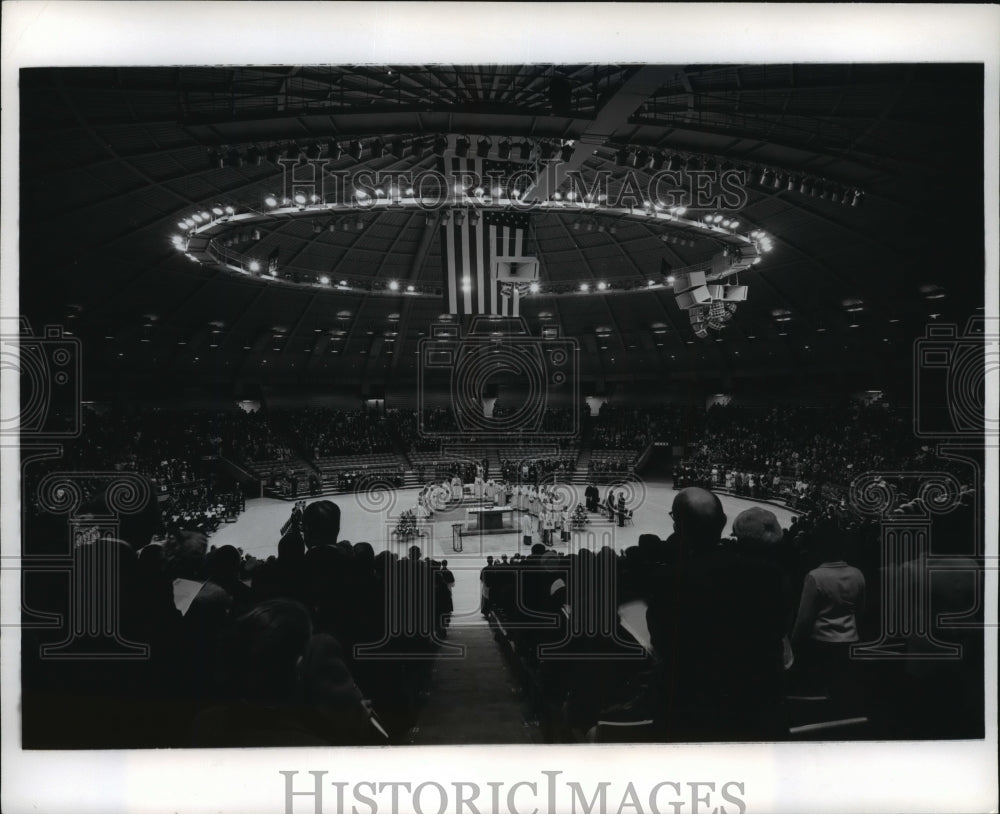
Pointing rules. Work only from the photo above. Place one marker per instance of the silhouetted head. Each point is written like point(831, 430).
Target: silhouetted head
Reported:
point(698, 518)
point(269, 642)
point(321, 523)
point(757, 530)
point(223, 564)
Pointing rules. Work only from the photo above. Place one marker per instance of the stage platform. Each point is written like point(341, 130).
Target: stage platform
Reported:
point(371, 518)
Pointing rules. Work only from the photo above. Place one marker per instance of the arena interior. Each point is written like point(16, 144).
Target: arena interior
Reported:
point(501, 404)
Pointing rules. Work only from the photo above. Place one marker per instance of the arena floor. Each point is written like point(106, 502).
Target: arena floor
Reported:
point(371, 517)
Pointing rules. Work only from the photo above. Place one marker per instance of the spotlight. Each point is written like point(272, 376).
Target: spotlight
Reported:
point(460, 216)
point(440, 145)
point(533, 288)
point(197, 218)
point(693, 164)
point(466, 284)
point(324, 280)
point(354, 150)
point(462, 147)
point(234, 158)
point(779, 181)
point(584, 287)
point(859, 198)
point(503, 151)
point(217, 211)
point(272, 154)
point(525, 148)
point(657, 162)
point(393, 285)
point(641, 159)
point(292, 152)
point(410, 288)
point(254, 157)
point(359, 225)
point(766, 178)
point(396, 148)
point(576, 226)
point(254, 266)
point(474, 217)
point(483, 147)
point(675, 163)
point(255, 235)
point(215, 160)
point(418, 148)
point(621, 157)
point(378, 148)
point(312, 151)
point(300, 198)
point(566, 153)
point(793, 182)
point(333, 150)
point(601, 286)
point(317, 227)
point(497, 192)
point(547, 150)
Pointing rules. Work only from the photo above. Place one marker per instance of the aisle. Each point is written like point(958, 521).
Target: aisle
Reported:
point(473, 699)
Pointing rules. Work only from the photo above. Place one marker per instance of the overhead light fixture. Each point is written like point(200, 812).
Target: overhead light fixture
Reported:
point(503, 150)
point(355, 150)
point(462, 147)
point(483, 147)
point(525, 149)
point(333, 150)
point(566, 152)
point(621, 157)
point(641, 159)
point(272, 154)
point(440, 145)
point(675, 163)
point(396, 148)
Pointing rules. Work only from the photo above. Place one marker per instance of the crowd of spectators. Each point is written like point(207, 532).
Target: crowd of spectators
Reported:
point(534, 470)
point(732, 631)
point(326, 432)
point(322, 642)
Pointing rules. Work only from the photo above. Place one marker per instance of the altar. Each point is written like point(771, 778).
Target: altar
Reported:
point(490, 519)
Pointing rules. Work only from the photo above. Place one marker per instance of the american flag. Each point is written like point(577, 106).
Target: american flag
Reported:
point(469, 248)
